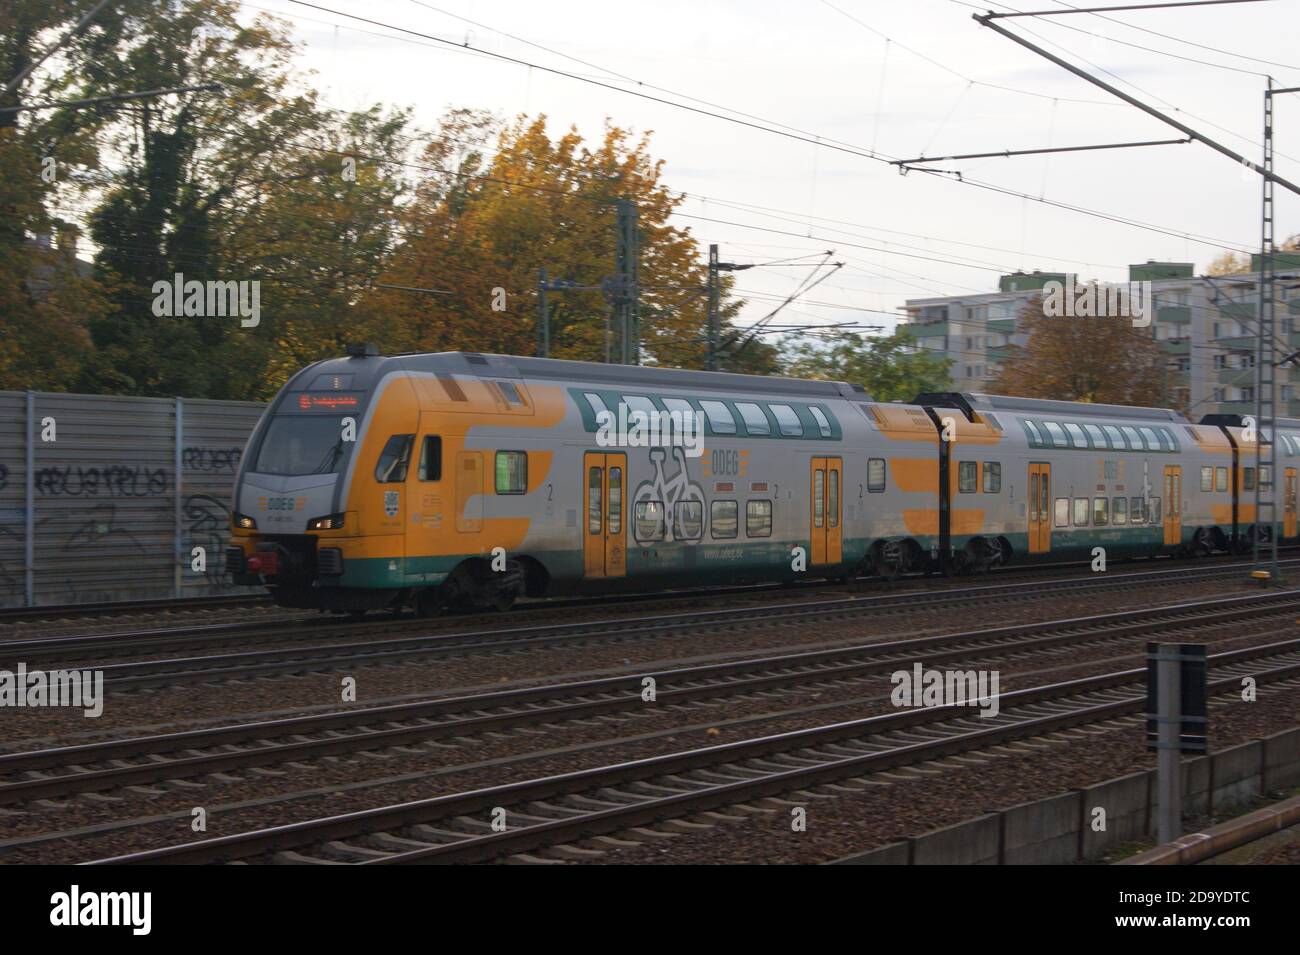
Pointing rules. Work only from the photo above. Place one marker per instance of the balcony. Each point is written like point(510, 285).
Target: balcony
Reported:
point(1174, 313)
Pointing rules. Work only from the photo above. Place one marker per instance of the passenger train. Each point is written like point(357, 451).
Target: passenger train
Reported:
point(469, 480)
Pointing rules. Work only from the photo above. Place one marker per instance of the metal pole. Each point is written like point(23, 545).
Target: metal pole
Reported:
point(178, 548)
point(1169, 784)
point(1268, 174)
point(1264, 553)
point(543, 319)
point(711, 359)
point(29, 517)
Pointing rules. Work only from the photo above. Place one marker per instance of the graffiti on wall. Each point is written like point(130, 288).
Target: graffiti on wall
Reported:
point(100, 480)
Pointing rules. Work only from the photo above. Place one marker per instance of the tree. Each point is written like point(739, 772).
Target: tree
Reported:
point(890, 368)
point(476, 227)
point(1228, 263)
point(1095, 359)
point(46, 298)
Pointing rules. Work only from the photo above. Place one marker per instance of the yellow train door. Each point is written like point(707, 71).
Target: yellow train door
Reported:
point(825, 486)
point(1040, 507)
point(1173, 505)
point(1289, 503)
point(604, 550)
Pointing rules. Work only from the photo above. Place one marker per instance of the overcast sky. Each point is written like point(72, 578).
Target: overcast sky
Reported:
point(826, 70)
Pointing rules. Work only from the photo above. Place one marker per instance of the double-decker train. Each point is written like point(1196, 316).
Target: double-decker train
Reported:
point(460, 479)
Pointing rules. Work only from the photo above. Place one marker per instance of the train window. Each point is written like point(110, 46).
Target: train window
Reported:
point(1207, 479)
point(723, 519)
point(1110, 470)
point(1097, 435)
point(1080, 512)
point(1220, 479)
point(1153, 443)
point(758, 518)
point(823, 424)
point(594, 505)
point(1116, 439)
point(967, 477)
point(430, 458)
point(393, 460)
point(1265, 475)
point(689, 423)
point(1062, 512)
point(1100, 511)
point(1248, 479)
point(1134, 439)
point(311, 444)
point(1167, 439)
point(1058, 434)
point(787, 420)
point(615, 521)
point(649, 520)
point(719, 415)
point(511, 393)
point(992, 477)
point(1135, 511)
point(755, 420)
point(1035, 436)
point(512, 472)
point(819, 492)
point(1119, 510)
point(690, 520)
point(595, 402)
point(1076, 435)
point(642, 404)
point(833, 499)
point(875, 474)
point(1153, 511)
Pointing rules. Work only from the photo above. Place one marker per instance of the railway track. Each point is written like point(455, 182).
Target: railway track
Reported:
point(127, 607)
point(218, 601)
point(102, 766)
point(557, 810)
point(425, 646)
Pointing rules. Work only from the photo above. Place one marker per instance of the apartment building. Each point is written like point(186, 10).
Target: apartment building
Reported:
point(1206, 327)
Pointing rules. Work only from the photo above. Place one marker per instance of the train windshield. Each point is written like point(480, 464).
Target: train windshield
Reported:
point(301, 444)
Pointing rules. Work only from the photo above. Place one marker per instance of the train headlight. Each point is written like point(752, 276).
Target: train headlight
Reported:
point(330, 522)
point(243, 521)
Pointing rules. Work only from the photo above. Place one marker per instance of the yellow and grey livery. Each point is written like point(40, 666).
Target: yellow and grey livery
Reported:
point(434, 480)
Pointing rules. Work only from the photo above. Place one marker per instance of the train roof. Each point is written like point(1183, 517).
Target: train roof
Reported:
point(365, 366)
point(975, 401)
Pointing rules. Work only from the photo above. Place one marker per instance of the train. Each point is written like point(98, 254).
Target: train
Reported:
point(465, 480)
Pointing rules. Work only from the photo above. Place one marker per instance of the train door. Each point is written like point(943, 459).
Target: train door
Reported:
point(604, 553)
point(1173, 505)
point(469, 492)
point(1289, 488)
point(1040, 508)
point(826, 510)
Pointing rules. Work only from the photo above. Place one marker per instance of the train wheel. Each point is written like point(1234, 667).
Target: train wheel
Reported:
point(428, 603)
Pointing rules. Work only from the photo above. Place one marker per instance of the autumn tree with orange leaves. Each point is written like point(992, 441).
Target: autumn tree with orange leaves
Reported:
point(543, 202)
point(1104, 360)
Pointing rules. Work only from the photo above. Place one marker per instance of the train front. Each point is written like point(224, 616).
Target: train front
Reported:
point(289, 511)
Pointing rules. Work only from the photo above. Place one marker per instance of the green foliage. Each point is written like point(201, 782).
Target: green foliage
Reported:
point(891, 368)
point(326, 210)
